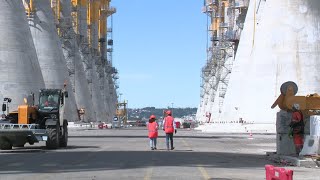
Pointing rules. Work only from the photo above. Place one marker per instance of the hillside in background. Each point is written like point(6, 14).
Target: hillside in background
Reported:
point(144, 113)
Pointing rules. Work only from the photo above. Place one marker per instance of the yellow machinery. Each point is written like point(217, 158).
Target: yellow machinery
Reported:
point(308, 104)
point(27, 114)
point(121, 112)
point(32, 124)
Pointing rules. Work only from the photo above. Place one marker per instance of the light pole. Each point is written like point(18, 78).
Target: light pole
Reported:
point(172, 108)
point(120, 97)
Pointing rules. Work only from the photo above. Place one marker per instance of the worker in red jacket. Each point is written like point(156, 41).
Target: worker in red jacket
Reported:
point(153, 132)
point(169, 126)
point(297, 126)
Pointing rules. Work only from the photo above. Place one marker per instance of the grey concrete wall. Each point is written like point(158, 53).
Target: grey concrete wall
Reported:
point(97, 96)
point(75, 64)
point(50, 55)
point(20, 70)
point(285, 144)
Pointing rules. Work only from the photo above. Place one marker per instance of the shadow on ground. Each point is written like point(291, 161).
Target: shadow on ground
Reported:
point(66, 161)
point(34, 149)
point(145, 136)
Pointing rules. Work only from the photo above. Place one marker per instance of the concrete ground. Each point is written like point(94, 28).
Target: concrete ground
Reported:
point(125, 154)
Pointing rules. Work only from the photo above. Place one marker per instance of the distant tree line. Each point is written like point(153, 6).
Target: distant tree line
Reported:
point(144, 113)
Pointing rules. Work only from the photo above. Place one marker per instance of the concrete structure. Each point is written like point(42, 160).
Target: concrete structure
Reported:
point(312, 136)
point(284, 49)
point(231, 110)
point(285, 144)
point(20, 71)
point(225, 25)
point(92, 35)
point(49, 52)
point(74, 62)
point(91, 39)
point(113, 94)
point(279, 43)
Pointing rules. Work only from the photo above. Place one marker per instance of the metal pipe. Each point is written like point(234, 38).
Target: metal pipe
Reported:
point(89, 21)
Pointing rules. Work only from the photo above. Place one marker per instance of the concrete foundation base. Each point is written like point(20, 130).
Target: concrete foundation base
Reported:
point(308, 161)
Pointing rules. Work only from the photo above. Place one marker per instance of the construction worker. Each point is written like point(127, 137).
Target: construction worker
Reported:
point(169, 126)
point(297, 126)
point(153, 132)
point(50, 101)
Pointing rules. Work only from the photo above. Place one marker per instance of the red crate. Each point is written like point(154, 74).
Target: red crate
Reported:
point(277, 173)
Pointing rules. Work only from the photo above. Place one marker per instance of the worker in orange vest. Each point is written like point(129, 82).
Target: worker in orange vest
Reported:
point(153, 132)
point(169, 126)
point(297, 126)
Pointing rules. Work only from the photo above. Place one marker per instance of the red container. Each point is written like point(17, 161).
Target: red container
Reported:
point(102, 126)
point(277, 173)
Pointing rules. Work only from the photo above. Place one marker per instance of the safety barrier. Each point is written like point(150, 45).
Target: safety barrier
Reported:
point(277, 173)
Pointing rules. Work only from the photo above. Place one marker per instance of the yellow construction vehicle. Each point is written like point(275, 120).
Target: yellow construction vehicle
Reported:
point(309, 104)
point(34, 123)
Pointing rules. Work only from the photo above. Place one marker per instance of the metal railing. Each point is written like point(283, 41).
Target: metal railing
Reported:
point(18, 126)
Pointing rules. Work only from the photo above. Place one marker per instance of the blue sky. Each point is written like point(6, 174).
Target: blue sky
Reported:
point(159, 49)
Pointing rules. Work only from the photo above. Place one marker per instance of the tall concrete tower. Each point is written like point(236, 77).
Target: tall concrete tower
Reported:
point(106, 50)
point(20, 73)
point(231, 110)
point(111, 73)
point(224, 29)
point(284, 47)
point(94, 12)
point(49, 51)
point(74, 61)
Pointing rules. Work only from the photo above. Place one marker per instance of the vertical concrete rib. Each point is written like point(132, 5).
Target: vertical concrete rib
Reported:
point(114, 97)
point(50, 55)
point(20, 73)
point(231, 110)
point(107, 92)
point(94, 59)
point(107, 50)
point(74, 62)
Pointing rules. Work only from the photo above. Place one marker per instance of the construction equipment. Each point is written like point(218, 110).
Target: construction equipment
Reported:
point(34, 123)
point(121, 115)
point(309, 104)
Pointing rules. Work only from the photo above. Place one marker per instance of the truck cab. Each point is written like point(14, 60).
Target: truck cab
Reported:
point(51, 106)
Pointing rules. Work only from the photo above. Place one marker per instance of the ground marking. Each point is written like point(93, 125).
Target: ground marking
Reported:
point(200, 168)
point(203, 172)
point(148, 174)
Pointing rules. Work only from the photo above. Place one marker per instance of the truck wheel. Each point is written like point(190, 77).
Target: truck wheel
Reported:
point(53, 137)
point(5, 144)
point(64, 136)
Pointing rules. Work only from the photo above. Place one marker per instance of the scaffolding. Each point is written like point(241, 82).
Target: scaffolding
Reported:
point(224, 30)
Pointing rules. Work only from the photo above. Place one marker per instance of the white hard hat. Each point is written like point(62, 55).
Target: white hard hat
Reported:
point(296, 106)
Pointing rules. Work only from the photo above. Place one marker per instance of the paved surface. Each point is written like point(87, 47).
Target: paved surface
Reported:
point(124, 154)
